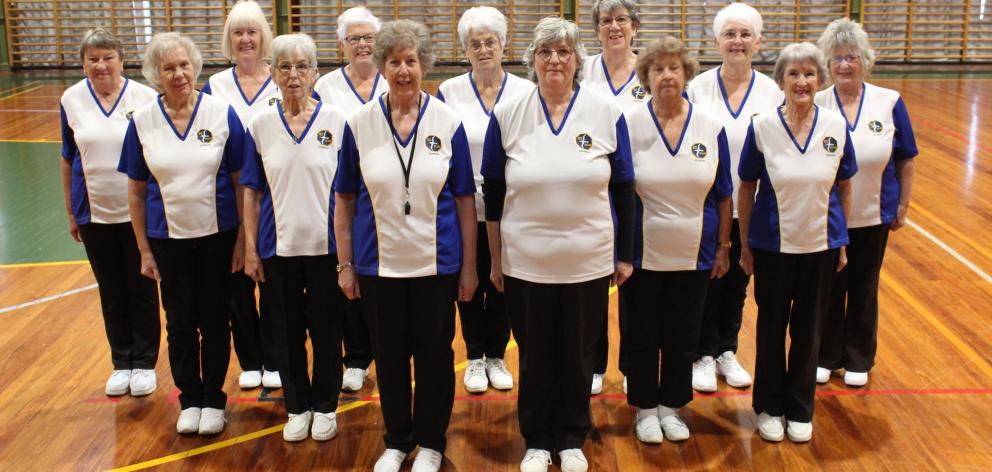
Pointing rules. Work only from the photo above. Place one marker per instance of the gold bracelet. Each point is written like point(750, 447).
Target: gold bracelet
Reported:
point(725, 244)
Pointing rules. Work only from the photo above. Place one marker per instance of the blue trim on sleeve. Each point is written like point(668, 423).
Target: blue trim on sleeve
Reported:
point(440, 95)
point(621, 162)
point(460, 177)
point(752, 161)
point(904, 142)
point(449, 235)
point(348, 177)
point(267, 236)
point(253, 170)
point(69, 148)
point(848, 162)
point(493, 153)
point(764, 232)
point(132, 160)
point(724, 185)
point(156, 225)
point(206, 88)
point(234, 153)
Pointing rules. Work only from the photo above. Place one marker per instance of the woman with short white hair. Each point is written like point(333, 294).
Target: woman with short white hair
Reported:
point(183, 154)
point(485, 322)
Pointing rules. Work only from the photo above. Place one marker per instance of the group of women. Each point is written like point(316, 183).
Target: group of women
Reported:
point(521, 200)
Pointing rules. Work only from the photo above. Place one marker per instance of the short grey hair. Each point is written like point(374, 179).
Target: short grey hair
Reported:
point(400, 34)
point(481, 19)
point(100, 38)
point(246, 13)
point(552, 30)
point(356, 16)
point(606, 6)
point(285, 44)
point(844, 33)
point(799, 53)
point(162, 43)
point(738, 13)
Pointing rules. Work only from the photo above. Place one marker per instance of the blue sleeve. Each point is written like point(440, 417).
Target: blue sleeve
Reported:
point(349, 173)
point(460, 178)
point(234, 154)
point(848, 162)
point(132, 160)
point(252, 172)
point(904, 142)
point(752, 160)
point(724, 185)
point(621, 162)
point(316, 96)
point(493, 154)
point(440, 95)
point(69, 148)
point(206, 88)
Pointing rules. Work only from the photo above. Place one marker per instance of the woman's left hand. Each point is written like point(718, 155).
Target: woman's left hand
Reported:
point(238, 257)
point(468, 281)
point(623, 272)
point(721, 263)
point(900, 218)
point(842, 260)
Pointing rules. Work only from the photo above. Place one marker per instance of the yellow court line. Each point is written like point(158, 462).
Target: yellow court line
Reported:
point(43, 264)
point(22, 92)
point(934, 321)
point(957, 234)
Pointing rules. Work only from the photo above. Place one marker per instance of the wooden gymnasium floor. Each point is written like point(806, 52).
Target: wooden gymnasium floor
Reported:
point(928, 406)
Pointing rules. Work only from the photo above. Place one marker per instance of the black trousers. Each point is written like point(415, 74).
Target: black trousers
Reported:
point(415, 318)
point(724, 307)
point(304, 298)
point(485, 324)
point(666, 309)
point(129, 300)
point(357, 341)
point(562, 324)
point(851, 332)
point(251, 326)
point(601, 349)
point(791, 291)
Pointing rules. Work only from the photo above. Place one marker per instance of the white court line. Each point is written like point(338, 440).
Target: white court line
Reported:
point(974, 268)
point(49, 298)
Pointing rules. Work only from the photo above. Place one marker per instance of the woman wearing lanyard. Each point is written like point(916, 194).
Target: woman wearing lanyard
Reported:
point(485, 323)
point(405, 227)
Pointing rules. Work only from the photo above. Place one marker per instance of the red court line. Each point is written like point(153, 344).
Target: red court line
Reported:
point(952, 133)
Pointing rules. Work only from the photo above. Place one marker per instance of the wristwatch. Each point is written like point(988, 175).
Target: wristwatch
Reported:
point(341, 267)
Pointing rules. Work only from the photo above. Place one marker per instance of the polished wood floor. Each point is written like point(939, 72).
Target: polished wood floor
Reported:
point(927, 407)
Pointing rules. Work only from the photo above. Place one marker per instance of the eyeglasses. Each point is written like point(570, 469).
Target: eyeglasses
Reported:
point(286, 68)
point(545, 53)
point(476, 46)
point(356, 38)
point(850, 58)
point(622, 20)
point(730, 35)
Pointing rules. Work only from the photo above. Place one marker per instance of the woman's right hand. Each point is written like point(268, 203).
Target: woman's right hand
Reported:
point(349, 283)
point(148, 266)
point(496, 274)
point(74, 230)
point(253, 267)
point(747, 261)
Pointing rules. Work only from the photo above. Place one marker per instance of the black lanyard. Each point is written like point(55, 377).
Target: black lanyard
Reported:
point(408, 166)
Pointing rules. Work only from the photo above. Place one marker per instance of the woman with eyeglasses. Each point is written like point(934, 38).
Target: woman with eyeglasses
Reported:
point(485, 324)
point(555, 160)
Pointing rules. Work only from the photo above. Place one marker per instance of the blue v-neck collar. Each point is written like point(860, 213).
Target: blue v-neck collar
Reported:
point(261, 89)
point(375, 86)
point(861, 106)
point(726, 99)
point(661, 131)
point(802, 149)
point(120, 95)
point(616, 91)
point(192, 116)
point(389, 119)
point(564, 118)
point(305, 130)
point(478, 96)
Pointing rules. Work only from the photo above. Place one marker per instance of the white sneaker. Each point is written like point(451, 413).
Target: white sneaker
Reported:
point(799, 432)
point(475, 376)
point(597, 384)
point(212, 421)
point(625, 385)
point(298, 426)
point(143, 382)
point(499, 376)
point(390, 461)
point(353, 379)
point(822, 375)
point(189, 421)
point(770, 427)
point(250, 379)
point(324, 426)
point(704, 375)
point(855, 379)
point(735, 375)
point(535, 460)
point(675, 429)
point(271, 379)
point(427, 460)
point(572, 460)
point(118, 383)
point(647, 428)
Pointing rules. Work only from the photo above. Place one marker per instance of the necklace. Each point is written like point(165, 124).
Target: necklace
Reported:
point(408, 166)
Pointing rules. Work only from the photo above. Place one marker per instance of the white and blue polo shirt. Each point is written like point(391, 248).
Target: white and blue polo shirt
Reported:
point(628, 94)
point(707, 91)
point(91, 143)
point(189, 175)
point(225, 86)
point(336, 88)
point(294, 174)
point(386, 241)
point(678, 185)
point(557, 224)
point(461, 95)
point(882, 135)
point(797, 209)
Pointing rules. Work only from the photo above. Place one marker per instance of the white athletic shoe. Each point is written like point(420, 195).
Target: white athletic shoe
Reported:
point(499, 376)
point(770, 427)
point(535, 460)
point(675, 429)
point(427, 460)
point(271, 379)
point(324, 426)
point(250, 379)
point(704, 375)
point(855, 379)
point(143, 382)
point(475, 379)
point(597, 384)
point(353, 379)
point(118, 383)
point(647, 427)
point(390, 461)
point(298, 427)
point(731, 370)
point(189, 421)
point(212, 421)
point(822, 375)
point(799, 432)
point(573, 460)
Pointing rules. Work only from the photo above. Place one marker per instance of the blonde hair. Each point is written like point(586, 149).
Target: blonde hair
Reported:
point(247, 13)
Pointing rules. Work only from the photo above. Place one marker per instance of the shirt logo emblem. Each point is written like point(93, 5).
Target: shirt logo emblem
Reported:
point(204, 136)
point(584, 141)
point(830, 144)
point(433, 143)
point(699, 151)
point(325, 138)
point(638, 92)
point(875, 126)
point(273, 101)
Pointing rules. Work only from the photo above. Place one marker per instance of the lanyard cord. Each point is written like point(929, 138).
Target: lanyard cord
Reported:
point(408, 166)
